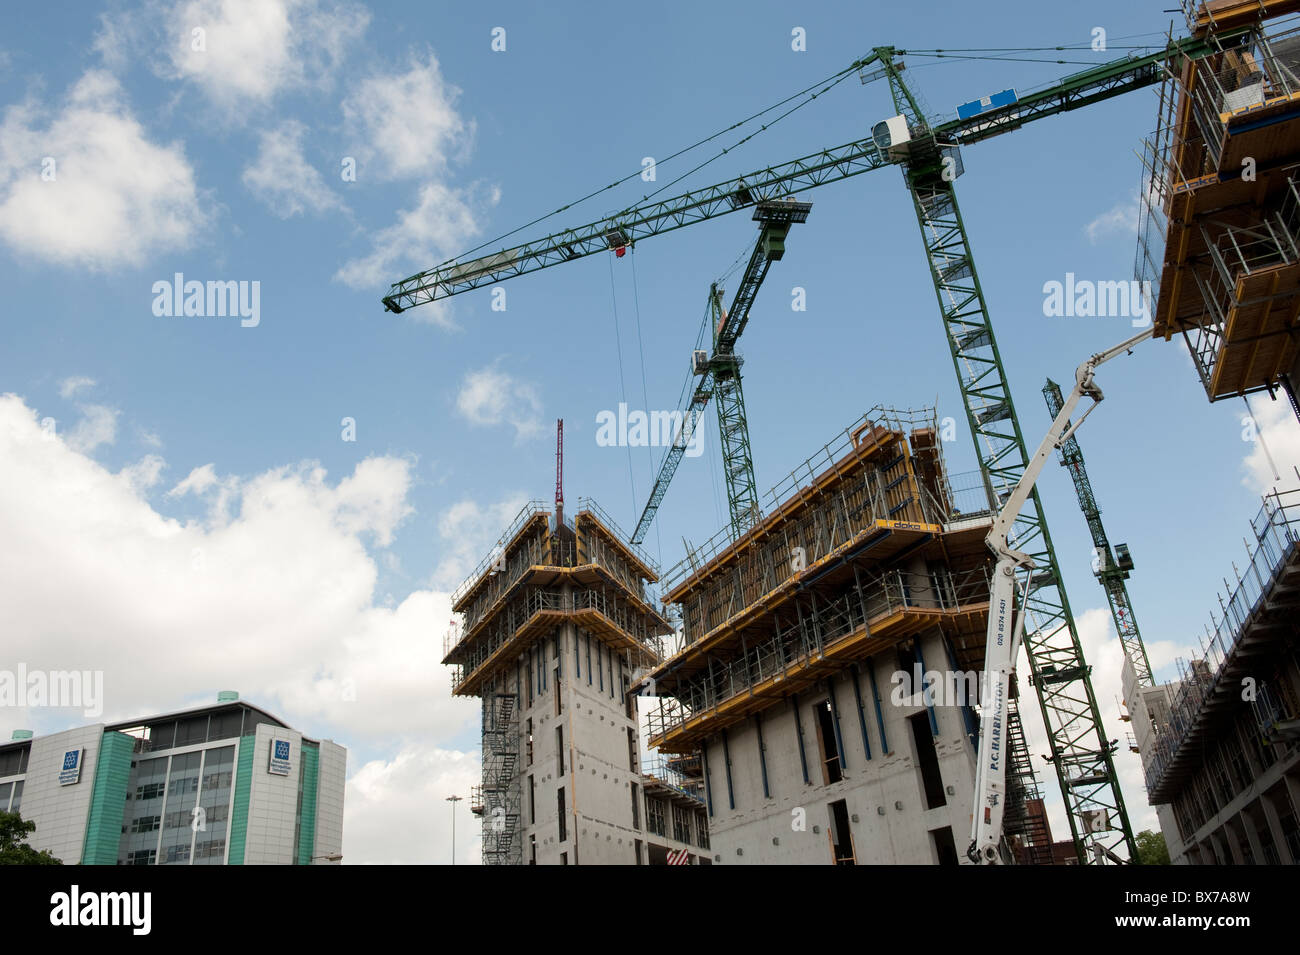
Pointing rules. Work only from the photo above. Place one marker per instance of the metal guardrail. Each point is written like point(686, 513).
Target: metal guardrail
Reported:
point(587, 504)
point(882, 596)
point(1277, 534)
point(538, 599)
point(547, 551)
point(525, 514)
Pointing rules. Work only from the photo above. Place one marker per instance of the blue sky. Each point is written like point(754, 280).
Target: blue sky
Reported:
point(200, 495)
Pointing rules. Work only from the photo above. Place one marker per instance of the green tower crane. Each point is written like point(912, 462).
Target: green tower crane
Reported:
point(928, 156)
point(719, 377)
point(1111, 567)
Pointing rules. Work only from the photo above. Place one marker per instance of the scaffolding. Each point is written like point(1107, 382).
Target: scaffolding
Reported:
point(499, 798)
point(819, 584)
point(1219, 222)
point(1208, 682)
point(546, 571)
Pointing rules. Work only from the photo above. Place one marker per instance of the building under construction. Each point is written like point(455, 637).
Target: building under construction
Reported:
point(553, 624)
point(1221, 746)
point(808, 644)
point(1219, 233)
point(1219, 243)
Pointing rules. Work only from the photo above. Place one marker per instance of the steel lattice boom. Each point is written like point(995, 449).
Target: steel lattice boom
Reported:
point(1111, 568)
point(830, 165)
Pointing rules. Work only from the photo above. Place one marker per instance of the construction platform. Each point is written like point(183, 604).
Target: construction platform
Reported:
point(538, 577)
point(1219, 232)
point(841, 538)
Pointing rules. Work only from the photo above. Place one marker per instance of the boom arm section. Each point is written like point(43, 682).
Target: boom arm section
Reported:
point(1006, 620)
point(830, 165)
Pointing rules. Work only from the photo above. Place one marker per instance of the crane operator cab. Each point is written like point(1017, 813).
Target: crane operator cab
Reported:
point(892, 137)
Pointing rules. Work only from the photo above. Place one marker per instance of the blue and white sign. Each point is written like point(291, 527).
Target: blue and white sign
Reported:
point(986, 103)
point(279, 764)
point(71, 771)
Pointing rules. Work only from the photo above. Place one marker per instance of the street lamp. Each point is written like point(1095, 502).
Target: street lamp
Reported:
point(453, 800)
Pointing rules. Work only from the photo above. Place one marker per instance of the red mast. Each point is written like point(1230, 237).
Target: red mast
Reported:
point(559, 472)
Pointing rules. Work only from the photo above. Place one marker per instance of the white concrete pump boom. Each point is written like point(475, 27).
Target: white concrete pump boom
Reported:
point(1007, 617)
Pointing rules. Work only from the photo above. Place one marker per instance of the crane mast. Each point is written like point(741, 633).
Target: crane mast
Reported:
point(719, 377)
point(1112, 567)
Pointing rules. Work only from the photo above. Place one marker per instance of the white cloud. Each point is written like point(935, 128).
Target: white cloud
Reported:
point(403, 125)
point(115, 196)
point(283, 180)
point(248, 51)
point(70, 386)
point(1120, 219)
point(490, 397)
point(196, 482)
point(395, 811)
point(1280, 434)
point(441, 224)
point(468, 530)
point(278, 601)
point(97, 426)
point(143, 474)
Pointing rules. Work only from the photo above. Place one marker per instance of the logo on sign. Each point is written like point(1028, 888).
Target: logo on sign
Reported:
point(279, 757)
point(71, 771)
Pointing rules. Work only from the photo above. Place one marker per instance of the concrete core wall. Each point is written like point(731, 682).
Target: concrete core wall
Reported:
point(890, 817)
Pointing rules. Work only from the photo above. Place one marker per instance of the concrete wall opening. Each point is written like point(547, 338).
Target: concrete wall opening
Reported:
point(944, 846)
point(928, 761)
point(826, 740)
point(841, 838)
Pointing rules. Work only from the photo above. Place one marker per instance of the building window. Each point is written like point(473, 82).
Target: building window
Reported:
point(560, 817)
point(587, 637)
point(600, 665)
point(701, 830)
point(557, 691)
point(532, 801)
point(631, 748)
point(564, 858)
point(654, 816)
point(532, 849)
point(681, 825)
point(530, 742)
point(637, 849)
point(636, 806)
point(559, 750)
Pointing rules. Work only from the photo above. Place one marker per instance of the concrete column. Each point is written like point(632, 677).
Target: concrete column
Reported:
point(1225, 845)
point(1274, 821)
point(1248, 826)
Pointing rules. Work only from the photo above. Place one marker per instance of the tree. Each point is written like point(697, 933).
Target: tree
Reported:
point(14, 849)
point(1151, 848)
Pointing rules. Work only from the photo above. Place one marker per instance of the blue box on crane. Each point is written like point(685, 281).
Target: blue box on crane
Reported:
point(986, 103)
